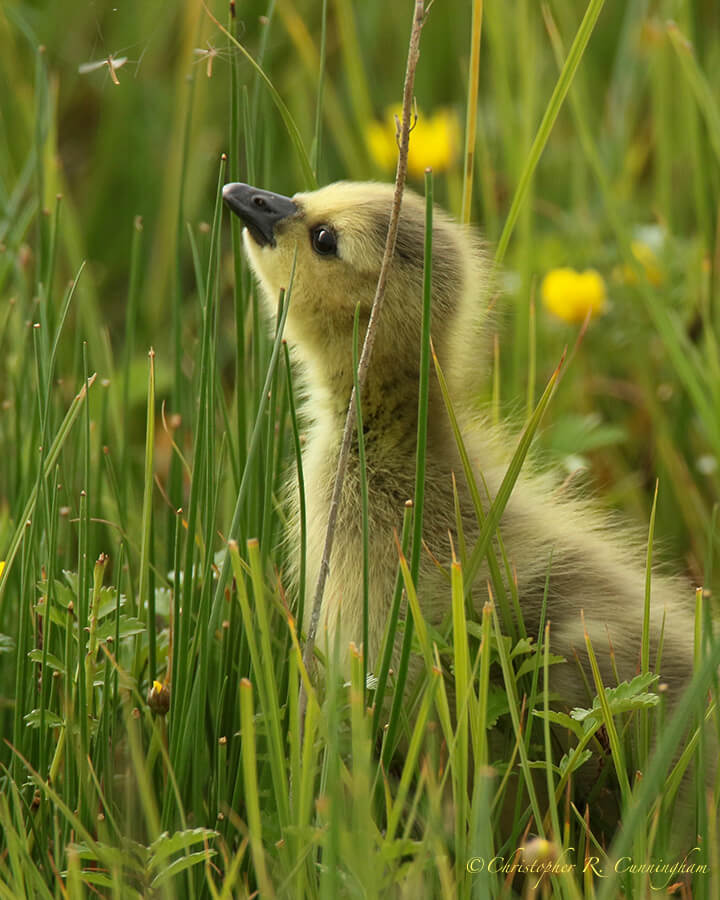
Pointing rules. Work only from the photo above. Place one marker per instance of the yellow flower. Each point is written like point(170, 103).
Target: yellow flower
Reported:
point(569, 295)
point(644, 253)
point(159, 698)
point(539, 850)
point(382, 149)
point(2, 566)
point(434, 141)
point(647, 259)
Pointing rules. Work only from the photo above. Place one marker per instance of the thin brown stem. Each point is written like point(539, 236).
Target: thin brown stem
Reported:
point(364, 363)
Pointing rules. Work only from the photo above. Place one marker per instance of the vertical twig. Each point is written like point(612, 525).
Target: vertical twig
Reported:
point(403, 142)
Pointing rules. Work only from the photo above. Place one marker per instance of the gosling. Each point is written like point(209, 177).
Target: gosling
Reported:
point(336, 235)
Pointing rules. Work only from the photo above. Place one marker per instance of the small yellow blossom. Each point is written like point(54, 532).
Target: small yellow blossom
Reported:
point(569, 294)
point(434, 141)
point(539, 850)
point(159, 698)
point(2, 567)
point(648, 260)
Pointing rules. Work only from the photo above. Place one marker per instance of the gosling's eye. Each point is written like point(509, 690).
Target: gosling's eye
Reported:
point(323, 241)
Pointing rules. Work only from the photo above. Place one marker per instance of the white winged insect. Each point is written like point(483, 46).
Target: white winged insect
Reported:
point(208, 55)
point(112, 63)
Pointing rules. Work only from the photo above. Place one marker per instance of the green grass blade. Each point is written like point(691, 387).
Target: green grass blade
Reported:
point(420, 457)
point(288, 121)
point(564, 81)
point(492, 520)
point(652, 783)
point(50, 461)
point(301, 488)
point(144, 592)
point(360, 434)
point(705, 96)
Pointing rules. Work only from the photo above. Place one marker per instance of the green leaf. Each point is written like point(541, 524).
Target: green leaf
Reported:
point(62, 593)
point(54, 662)
point(129, 625)
point(574, 434)
point(52, 720)
point(626, 697)
point(561, 719)
point(571, 762)
point(564, 764)
point(394, 850)
point(101, 879)
point(163, 599)
point(72, 580)
point(524, 645)
point(497, 704)
point(179, 865)
point(167, 844)
point(529, 664)
point(109, 601)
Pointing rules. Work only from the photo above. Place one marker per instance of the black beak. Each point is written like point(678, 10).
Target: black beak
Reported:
point(259, 210)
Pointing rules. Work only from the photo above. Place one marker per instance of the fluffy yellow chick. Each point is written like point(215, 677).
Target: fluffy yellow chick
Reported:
point(338, 234)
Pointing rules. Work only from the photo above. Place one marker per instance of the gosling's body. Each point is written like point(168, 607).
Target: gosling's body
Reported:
point(338, 234)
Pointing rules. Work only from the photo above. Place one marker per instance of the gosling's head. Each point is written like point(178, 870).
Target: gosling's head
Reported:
point(336, 235)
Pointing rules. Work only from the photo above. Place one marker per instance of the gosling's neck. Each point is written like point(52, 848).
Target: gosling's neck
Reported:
point(389, 410)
